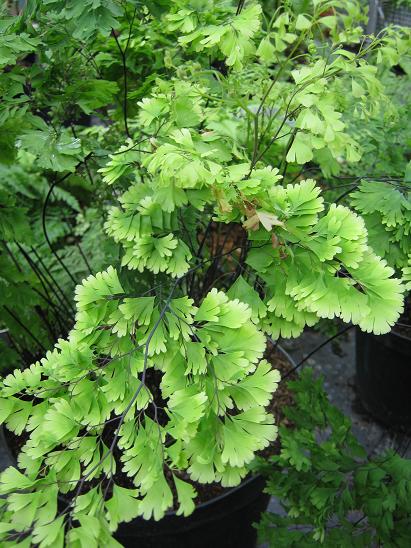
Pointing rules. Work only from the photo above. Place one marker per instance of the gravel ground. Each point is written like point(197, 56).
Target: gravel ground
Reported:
point(339, 382)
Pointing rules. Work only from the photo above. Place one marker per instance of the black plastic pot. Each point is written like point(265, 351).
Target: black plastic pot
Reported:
point(223, 522)
point(384, 376)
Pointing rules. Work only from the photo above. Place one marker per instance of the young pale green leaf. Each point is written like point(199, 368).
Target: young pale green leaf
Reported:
point(301, 150)
point(11, 477)
point(256, 389)
point(243, 291)
point(196, 358)
point(185, 495)
point(122, 506)
point(157, 500)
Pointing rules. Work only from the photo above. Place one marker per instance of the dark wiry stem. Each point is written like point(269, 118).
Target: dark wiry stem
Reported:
point(61, 306)
point(123, 54)
point(65, 302)
point(316, 349)
point(26, 329)
point(43, 217)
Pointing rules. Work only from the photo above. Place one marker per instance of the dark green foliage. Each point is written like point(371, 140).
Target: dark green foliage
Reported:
point(331, 491)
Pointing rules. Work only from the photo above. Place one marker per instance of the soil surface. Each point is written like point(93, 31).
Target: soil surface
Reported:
point(337, 365)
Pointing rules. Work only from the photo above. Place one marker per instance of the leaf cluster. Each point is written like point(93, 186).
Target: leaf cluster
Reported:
point(214, 386)
point(331, 491)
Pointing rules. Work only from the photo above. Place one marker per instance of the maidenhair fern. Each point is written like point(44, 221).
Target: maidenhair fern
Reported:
point(314, 266)
point(210, 359)
point(385, 206)
point(163, 377)
point(330, 491)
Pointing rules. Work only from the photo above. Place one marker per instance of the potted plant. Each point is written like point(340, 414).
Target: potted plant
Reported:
point(383, 371)
point(161, 385)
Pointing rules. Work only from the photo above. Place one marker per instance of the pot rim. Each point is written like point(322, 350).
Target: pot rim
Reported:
point(390, 333)
point(400, 335)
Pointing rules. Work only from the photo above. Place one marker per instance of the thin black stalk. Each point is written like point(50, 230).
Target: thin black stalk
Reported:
point(84, 258)
point(43, 280)
point(130, 148)
point(207, 230)
point(43, 318)
point(17, 348)
point(124, 64)
point(243, 257)
point(43, 216)
point(86, 167)
point(287, 150)
point(240, 6)
point(43, 220)
point(277, 134)
point(130, 28)
point(344, 194)
point(222, 246)
point(47, 297)
point(213, 268)
point(186, 232)
point(12, 257)
point(26, 329)
point(59, 313)
point(56, 312)
point(316, 349)
point(401, 324)
point(77, 244)
point(303, 172)
point(198, 254)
